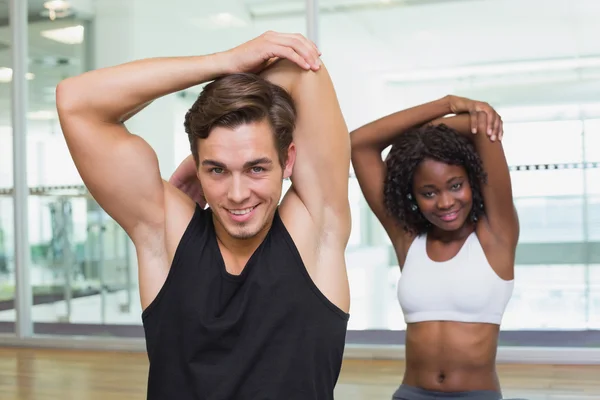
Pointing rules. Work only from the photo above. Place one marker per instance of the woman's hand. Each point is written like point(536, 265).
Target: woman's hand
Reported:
point(479, 110)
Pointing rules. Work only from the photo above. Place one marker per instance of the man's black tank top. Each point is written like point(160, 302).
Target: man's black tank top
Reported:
point(268, 333)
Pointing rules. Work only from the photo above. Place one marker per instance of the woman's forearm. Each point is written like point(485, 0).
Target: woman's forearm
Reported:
point(460, 123)
point(381, 133)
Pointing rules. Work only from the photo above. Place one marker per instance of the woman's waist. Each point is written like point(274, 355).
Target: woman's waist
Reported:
point(452, 349)
point(445, 377)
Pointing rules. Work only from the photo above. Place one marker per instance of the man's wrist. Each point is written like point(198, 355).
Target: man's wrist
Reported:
point(222, 63)
point(209, 67)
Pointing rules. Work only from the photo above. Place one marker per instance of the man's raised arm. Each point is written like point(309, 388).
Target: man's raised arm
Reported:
point(320, 174)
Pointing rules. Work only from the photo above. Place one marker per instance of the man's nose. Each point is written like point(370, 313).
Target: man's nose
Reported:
point(238, 190)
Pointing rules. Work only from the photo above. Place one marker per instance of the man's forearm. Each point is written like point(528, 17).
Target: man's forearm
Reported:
point(113, 94)
point(285, 74)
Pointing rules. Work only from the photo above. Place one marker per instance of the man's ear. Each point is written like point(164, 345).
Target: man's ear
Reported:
point(291, 159)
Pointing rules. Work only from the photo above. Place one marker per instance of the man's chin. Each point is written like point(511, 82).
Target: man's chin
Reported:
point(242, 230)
point(242, 235)
point(248, 231)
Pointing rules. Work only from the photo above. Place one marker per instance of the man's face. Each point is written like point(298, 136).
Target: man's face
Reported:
point(242, 177)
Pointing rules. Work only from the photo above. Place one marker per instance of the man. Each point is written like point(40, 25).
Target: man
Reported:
point(247, 299)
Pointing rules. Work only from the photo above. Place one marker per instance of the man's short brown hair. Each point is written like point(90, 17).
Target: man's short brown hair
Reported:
point(240, 99)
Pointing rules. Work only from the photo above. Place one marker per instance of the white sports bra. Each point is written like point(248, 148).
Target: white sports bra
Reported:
point(463, 289)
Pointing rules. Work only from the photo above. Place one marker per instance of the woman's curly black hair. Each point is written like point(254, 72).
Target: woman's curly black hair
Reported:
point(440, 143)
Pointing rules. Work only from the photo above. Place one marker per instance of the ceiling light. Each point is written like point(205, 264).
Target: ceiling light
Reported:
point(221, 20)
point(7, 73)
point(56, 4)
point(57, 8)
point(227, 20)
point(68, 35)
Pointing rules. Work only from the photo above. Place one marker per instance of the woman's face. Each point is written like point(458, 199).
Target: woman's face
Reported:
point(443, 194)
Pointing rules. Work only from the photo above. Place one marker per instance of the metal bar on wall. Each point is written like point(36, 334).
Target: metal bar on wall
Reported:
point(23, 300)
point(312, 20)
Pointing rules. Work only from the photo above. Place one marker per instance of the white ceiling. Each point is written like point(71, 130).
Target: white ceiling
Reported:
point(361, 40)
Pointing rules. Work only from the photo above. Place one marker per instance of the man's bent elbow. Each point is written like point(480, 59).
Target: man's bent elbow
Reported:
point(66, 97)
point(289, 75)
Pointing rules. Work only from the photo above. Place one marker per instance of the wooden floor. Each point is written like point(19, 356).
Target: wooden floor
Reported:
point(34, 374)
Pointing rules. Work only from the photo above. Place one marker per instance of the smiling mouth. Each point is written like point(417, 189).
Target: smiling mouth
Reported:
point(243, 211)
point(449, 217)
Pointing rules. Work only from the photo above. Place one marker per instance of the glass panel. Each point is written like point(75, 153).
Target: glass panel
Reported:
point(592, 152)
point(592, 140)
point(554, 297)
point(559, 182)
point(81, 263)
point(551, 219)
point(593, 299)
point(373, 279)
point(356, 210)
point(7, 245)
point(554, 141)
point(593, 181)
point(593, 205)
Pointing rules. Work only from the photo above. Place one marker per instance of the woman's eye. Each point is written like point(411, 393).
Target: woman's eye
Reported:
point(456, 186)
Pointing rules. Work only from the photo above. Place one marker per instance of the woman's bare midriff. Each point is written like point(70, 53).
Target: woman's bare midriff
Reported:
point(451, 356)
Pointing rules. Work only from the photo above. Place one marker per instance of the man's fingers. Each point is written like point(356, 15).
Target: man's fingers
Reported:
point(308, 41)
point(300, 46)
point(290, 54)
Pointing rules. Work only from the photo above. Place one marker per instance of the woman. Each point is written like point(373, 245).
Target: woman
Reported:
point(444, 197)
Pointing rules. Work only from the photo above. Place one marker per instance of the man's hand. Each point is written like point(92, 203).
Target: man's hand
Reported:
point(185, 179)
point(259, 53)
point(479, 110)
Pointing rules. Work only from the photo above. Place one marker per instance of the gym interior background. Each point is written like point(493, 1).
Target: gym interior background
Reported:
point(68, 274)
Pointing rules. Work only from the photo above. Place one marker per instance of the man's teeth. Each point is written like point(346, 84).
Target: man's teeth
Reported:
point(241, 212)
